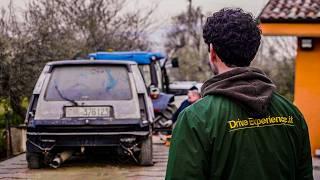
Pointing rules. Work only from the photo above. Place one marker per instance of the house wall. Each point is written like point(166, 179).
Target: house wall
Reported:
point(291, 29)
point(307, 74)
point(307, 90)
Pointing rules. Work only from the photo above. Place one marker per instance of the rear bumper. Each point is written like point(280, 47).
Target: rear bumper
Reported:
point(86, 127)
point(134, 133)
point(48, 135)
point(83, 121)
point(51, 141)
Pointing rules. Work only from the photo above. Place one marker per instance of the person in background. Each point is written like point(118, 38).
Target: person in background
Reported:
point(193, 96)
point(241, 128)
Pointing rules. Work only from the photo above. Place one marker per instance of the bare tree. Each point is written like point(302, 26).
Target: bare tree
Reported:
point(185, 41)
point(276, 57)
point(62, 29)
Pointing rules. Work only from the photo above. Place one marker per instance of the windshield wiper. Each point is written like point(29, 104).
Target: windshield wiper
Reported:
point(65, 98)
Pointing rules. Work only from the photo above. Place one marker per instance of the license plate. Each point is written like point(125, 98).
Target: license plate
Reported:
point(88, 111)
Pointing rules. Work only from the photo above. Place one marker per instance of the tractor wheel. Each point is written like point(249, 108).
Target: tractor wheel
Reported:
point(164, 116)
point(169, 111)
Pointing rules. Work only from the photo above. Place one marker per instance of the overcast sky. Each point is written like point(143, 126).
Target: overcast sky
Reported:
point(168, 8)
point(175, 6)
point(171, 7)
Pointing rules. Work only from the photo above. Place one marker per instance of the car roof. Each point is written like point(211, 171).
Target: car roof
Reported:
point(53, 64)
point(75, 62)
point(140, 57)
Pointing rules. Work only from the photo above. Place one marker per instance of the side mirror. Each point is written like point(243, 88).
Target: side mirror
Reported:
point(175, 62)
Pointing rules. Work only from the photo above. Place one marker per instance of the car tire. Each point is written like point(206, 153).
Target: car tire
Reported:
point(35, 160)
point(146, 156)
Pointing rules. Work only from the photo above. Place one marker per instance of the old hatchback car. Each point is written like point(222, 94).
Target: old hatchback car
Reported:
point(84, 104)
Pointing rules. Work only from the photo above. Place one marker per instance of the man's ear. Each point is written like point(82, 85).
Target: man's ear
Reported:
point(213, 55)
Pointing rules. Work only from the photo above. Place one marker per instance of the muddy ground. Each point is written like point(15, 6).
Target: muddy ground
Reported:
point(90, 168)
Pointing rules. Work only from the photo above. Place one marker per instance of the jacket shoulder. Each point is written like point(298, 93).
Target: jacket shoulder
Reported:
point(282, 105)
point(279, 100)
point(212, 101)
point(209, 105)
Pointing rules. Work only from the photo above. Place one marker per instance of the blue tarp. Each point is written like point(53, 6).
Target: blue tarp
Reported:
point(138, 57)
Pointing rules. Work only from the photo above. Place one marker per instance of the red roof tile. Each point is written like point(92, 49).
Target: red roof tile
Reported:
point(291, 11)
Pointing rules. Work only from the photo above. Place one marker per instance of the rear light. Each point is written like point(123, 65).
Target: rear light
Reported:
point(143, 108)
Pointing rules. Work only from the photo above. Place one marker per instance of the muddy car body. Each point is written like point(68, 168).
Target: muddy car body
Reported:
point(81, 104)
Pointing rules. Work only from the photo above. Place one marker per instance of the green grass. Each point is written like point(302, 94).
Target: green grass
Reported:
point(13, 117)
point(14, 120)
point(2, 144)
point(1, 109)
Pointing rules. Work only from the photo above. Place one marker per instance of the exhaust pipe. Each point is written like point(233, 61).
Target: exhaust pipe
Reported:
point(60, 158)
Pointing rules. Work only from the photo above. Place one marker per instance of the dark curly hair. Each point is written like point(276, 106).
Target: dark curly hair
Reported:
point(234, 35)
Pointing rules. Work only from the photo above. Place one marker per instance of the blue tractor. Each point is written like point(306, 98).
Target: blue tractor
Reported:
point(153, 69)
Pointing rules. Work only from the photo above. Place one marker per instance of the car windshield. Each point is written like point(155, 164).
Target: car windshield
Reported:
point(89, 83)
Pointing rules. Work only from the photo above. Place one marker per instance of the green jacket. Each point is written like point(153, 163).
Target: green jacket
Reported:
point(249, 132)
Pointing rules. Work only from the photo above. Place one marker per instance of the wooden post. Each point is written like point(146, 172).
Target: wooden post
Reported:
point(8, 135)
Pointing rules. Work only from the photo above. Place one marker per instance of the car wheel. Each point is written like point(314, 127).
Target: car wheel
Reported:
point(146, 156)
point(35, 160)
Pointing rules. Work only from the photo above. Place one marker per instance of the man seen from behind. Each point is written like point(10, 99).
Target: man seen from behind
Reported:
point(241, 129)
